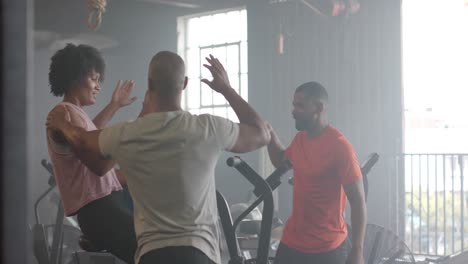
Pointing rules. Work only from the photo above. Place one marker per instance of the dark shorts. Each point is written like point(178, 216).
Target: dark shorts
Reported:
point(108, 223)
point(175, 255)
point(286, 255)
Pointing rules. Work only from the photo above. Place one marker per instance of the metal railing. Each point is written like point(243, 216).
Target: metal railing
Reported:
point(436, 215)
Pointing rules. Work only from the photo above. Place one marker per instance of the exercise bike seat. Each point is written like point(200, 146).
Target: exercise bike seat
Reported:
point(93, 254)
point(87, 245)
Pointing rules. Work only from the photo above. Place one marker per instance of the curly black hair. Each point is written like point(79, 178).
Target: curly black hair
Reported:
point(71, 65)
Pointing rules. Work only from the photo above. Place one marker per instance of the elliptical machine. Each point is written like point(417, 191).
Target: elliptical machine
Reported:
point(57, 250)
point(263, 190)
point(44, 253)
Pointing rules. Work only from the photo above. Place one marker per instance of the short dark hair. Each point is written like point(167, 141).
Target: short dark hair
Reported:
point(313, 89)
point(71, 64)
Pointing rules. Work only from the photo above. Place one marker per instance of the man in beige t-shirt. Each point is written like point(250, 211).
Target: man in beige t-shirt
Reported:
point(169, 157)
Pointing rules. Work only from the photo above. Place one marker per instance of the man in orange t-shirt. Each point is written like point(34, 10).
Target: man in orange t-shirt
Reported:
point(326, 172)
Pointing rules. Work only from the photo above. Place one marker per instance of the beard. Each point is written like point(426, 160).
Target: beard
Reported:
point(301, 125)
point(310, 125)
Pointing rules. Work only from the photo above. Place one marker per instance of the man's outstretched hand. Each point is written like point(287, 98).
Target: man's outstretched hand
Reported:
point(220, 82)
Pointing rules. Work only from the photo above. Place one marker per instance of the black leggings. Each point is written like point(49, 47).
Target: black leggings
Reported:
point(286, 255)
point(175, 255)
point(108, 223)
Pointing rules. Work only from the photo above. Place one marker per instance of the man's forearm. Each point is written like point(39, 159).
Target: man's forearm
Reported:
point(358, 224)
point(243, 110)
point(74, 135)
point(85, 145)
point(105, 115)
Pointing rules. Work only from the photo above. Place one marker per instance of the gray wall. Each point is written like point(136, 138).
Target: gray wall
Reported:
point(357, 59)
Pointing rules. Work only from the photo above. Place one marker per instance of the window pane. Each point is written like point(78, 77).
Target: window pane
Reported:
point(234, 80)
point(245, 86)
point(232, 115)
point(243, 58)
point(203, 86)
point(205, 36)
point(193, 63)
point(218, 29)
point(205, 53)
point(220, 111)
point(193, 28)
point(219, 99)
point(195, 111)
point(243, 25)
point(206, 111)
point(207, 96)
point(232, 65)
point(233, 23)
point(220, 53)
point(193, 93)
point(184, 103)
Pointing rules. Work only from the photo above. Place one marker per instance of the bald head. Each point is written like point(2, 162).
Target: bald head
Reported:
point(166, 74)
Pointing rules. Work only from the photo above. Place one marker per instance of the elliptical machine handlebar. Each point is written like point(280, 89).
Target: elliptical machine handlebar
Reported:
point(234, 161)
point(47, 166)
point(274, 180)
point(263, 189)
point(51, 182)
point(247, 171)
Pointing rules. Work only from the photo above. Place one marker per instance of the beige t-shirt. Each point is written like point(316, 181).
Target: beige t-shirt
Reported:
point(169, 160)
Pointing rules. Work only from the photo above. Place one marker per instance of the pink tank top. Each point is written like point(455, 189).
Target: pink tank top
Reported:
point(78, 185)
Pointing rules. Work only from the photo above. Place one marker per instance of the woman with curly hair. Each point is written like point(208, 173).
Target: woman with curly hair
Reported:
point(76, 73)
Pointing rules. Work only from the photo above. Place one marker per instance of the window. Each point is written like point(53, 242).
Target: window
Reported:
point(435, 59)
point(223, 34)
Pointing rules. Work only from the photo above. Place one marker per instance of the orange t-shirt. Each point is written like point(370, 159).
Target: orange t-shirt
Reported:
point(322, 165)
